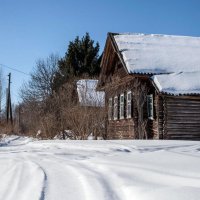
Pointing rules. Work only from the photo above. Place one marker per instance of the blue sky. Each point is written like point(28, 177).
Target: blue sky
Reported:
point(33, 29)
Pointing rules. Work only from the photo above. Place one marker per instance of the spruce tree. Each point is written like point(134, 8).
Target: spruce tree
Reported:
point(80, 59)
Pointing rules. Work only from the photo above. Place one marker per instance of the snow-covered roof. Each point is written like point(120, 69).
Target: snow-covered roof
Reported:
point(186, 83)
point(156, 54)
point(87, 94)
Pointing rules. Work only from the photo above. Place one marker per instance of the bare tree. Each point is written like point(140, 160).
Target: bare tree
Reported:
point(40, 85)
point(37, 94)
point(49, 113)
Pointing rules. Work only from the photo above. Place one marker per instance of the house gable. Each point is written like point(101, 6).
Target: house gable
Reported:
point(117, 83)
point(113, 67)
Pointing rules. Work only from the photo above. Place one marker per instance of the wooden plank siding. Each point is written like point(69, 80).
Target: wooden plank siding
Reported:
point(160, 116)
point(181, 118)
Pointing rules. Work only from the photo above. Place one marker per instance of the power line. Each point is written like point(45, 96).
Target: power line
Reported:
point(14, 69)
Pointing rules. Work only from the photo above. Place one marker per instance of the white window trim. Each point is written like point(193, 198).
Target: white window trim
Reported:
point(110, 105)
point(121, 115)
point(127, 102)
point(115, 117)
point(150, 106)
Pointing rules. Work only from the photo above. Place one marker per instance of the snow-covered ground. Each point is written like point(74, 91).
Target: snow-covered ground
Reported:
point(99, 170)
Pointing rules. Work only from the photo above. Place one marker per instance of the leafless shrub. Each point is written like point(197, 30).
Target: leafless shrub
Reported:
point(62, 111)
point(81, 119)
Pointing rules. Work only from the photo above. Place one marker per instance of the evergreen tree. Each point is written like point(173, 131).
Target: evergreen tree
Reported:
point(80, 59)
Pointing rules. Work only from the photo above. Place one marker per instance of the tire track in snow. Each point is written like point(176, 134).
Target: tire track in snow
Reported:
point(24, 176)
point(61, 181)
point(25, 156)
point(43, 192)
point(92, 181)
point(143, 176)
point(79, 181)
point(44, 182)
point(109, 192)
point(125, 183)
point(10, 179)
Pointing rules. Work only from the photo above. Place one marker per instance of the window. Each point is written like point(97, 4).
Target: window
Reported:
point(150, 106)
point(128, 105)
point(110, 109)
point(121, 112)
point(116, 108)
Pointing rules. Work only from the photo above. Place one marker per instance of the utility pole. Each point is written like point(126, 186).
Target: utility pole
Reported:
point(8, 103)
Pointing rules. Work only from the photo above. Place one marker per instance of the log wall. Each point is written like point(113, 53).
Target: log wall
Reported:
point(181, 119)
point(128, 128)
point(121, 129)
point(160, 115)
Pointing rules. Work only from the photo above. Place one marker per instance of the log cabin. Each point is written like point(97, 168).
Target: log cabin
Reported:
point(152, 86)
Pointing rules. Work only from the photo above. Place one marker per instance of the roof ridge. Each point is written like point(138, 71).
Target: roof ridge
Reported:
point(153, 34)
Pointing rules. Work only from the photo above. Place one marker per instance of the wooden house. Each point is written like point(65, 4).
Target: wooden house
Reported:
point(152, 86)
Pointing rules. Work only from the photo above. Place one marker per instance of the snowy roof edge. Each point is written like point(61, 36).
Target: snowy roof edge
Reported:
point(159, 88)
point(136, 64)
point(152, 34)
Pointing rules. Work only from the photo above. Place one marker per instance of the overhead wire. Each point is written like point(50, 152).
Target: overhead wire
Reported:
point(3, 100)
point(14, 69)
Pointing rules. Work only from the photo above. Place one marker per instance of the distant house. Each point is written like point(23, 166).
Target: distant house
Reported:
point(87, 94)
point(152, 86)
point(91, 110)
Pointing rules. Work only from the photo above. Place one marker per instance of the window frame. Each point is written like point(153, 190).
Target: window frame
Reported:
point(129, 105)
point(121, 106)
point(150, 106)
point(110, 108)
point(115, 112)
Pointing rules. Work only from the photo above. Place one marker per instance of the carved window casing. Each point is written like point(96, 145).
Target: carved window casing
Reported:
point(121, 111)
point(120, 106)
point(150, 106)
point(129, 105)
point(115, 107)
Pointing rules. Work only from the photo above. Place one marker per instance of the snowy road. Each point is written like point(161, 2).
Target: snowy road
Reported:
point(99, 170)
